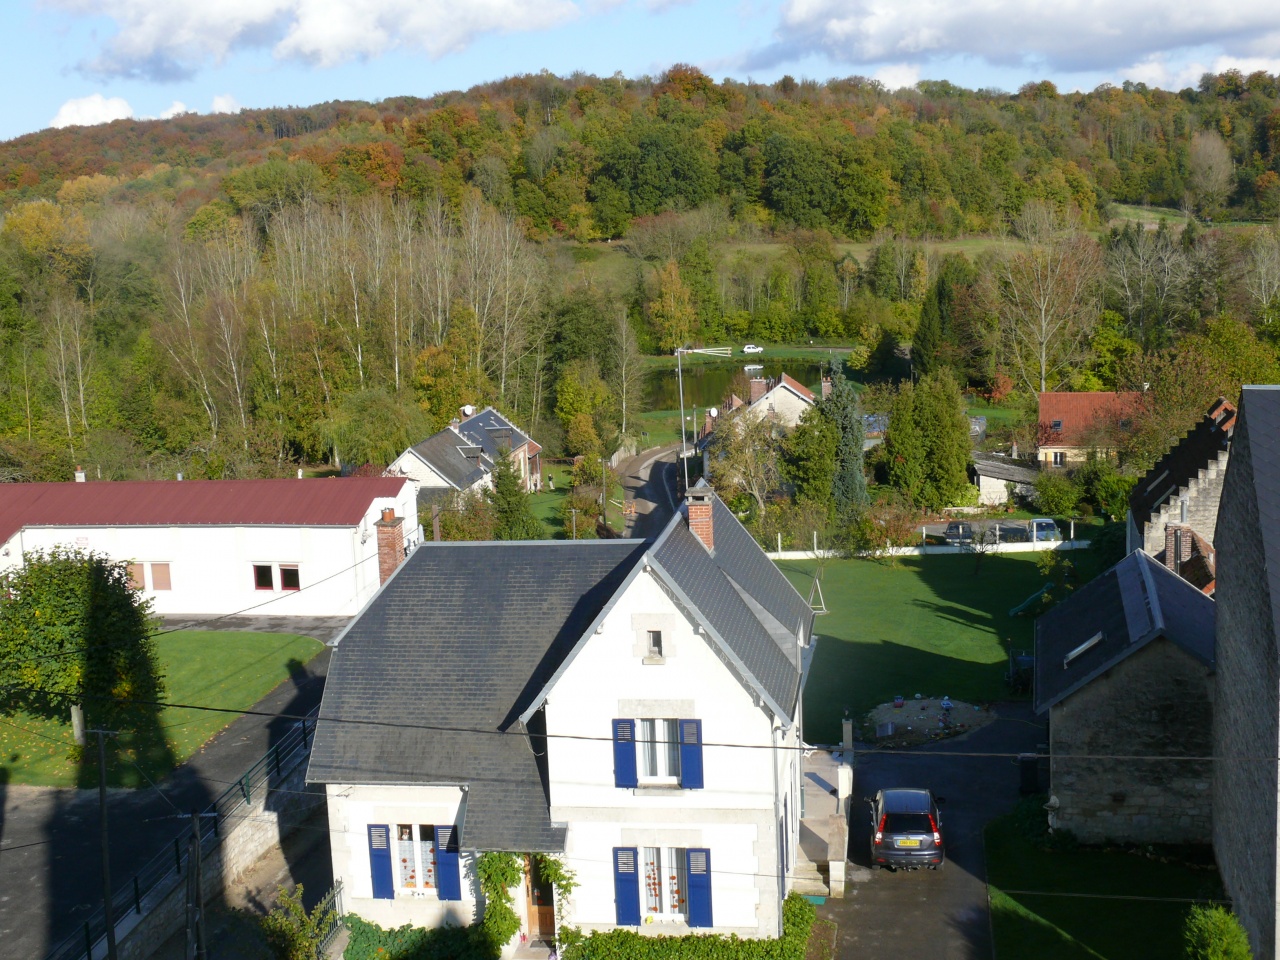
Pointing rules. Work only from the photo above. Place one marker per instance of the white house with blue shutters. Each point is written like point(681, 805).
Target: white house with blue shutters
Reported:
point(632, 708)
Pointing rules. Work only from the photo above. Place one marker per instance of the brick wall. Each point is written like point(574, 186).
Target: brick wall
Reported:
point(1247, 719)
point(1158, 703)
point(251, 831)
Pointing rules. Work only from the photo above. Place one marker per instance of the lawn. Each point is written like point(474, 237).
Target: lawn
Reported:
point(546, 505)
point(928, 625)
point(1085, 904)
point(228, 669)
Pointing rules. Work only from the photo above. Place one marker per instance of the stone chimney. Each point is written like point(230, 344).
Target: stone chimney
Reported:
point(79, 474)
point(699, 502)
point(759, 387)
point(1178, 544)
point(826, 387)
point(390, 543)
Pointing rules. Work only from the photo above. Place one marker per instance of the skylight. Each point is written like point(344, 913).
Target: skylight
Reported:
point(1087, 645)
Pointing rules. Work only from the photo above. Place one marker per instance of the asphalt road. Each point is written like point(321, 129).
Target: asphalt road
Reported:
point(649, 478)
point(50, 865)
point(941, 915)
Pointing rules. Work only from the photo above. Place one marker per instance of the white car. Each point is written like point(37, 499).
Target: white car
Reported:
point(752, 348)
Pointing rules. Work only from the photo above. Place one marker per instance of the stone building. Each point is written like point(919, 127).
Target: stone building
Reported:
point(1173, 510)
point(1124, 669)
point(1246, 723)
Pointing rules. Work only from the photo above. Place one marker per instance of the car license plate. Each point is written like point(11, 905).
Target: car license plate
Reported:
point(908, 843)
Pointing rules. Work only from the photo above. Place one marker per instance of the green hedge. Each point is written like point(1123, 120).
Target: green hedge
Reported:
point(797, 920)
point(371, 942)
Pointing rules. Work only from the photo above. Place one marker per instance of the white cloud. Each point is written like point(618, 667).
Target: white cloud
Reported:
point(225, 103)
point(898, 75)
point(165, 40)
point(176, 108)
point(90, 110)
point(1065, 36)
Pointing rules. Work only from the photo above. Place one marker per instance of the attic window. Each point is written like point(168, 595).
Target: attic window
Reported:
point(1087, 645)
point(1056, 426)
point(655, 643)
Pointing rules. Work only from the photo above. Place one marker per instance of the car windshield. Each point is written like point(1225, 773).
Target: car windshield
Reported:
point(907, 823)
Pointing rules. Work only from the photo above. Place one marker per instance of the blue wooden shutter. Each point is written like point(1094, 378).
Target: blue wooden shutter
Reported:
point(624, 753)
point(380, 861)
point(691, 754)
point(626, 885)
point(699, 888)
point(448, 878)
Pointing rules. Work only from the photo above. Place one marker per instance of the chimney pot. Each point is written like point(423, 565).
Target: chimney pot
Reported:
point(79, 474)
point(179, 474)
point(826, 388)
point(388, 514)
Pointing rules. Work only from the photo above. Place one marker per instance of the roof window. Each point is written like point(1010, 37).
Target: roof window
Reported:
point(1087, 645)
point(1056, 426)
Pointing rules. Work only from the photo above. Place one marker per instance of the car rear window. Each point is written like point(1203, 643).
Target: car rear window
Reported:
point(908, 823)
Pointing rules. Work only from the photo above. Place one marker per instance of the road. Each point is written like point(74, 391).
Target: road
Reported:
point(50, 867)
point(941, 915)
point(649, 478)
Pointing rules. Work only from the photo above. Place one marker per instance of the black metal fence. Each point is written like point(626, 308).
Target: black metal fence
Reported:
point(145, 890)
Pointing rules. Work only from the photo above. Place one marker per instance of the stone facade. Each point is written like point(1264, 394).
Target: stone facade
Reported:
point(1202, 496)
point(1157, 702)
point(1246, 726)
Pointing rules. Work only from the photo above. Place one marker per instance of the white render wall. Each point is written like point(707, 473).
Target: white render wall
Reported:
point(782, 404)
point(352, 809)
point(733, 815)
point(211, 567)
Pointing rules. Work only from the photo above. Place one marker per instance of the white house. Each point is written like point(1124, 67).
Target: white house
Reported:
point(461, 457)
point(630, 707)
point(210, 547)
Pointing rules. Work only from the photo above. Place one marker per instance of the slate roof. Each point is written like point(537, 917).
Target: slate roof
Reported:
point(443, 453)
point(1078, 412)
point(1180, 465)
point(336, 501)
point(1135, 602)
point(440, 665)
point(491, 431)
point(1003, 468)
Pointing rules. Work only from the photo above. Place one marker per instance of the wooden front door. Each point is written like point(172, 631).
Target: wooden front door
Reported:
point(541, 899)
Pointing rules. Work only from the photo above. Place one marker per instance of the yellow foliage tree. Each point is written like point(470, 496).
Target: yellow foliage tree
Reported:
point(672, 310)
point(48, 236)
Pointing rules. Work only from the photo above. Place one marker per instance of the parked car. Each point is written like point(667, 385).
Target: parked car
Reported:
point(906, 830)
point(1044, 529)
point(752, 348)
point(958, 531)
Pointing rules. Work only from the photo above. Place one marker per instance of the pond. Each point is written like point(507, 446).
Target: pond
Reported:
point(705, 384)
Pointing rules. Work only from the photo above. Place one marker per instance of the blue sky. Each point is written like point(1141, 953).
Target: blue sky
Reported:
point(92, 60)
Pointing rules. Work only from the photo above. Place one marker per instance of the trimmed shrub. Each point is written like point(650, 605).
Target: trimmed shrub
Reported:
point(1214, 933)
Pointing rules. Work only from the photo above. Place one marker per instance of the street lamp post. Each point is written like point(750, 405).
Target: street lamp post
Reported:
point(680, 352)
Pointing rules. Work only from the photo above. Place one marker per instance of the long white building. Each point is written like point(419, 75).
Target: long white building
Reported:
point(316, 547)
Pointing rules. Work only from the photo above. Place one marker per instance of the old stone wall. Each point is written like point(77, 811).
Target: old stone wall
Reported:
point(1203, 496)
point(1155, 704)
point(1247, 720)
point(247, 833)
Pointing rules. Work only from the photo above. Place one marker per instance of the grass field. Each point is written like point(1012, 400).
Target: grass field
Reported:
point(233, 670)
point(996, 416)
point(928, 625)
point(547, 505)
point(1032, 920)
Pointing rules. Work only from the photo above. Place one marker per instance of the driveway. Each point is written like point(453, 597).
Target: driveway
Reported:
point(941, 915)
point(50, 878)
point(649, 479)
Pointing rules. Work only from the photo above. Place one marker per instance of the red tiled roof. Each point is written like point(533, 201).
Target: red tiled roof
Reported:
point(797, 386)
point(337, 501)
point(1080, 411)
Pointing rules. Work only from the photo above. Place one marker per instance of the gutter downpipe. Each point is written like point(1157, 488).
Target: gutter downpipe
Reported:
point(778, 826)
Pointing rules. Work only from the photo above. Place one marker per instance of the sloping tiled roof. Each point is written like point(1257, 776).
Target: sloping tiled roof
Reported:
point(1185, 459)
point(439, 667)
point(491, 431)
point(1133, 603)
point(1078, 412)
point(1003, 468)
point(337, 501)
point(787, 380)
point(744, 598)
point(443, 453)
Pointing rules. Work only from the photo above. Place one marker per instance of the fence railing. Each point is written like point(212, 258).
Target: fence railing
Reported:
point(142, 892)
point(332, 901)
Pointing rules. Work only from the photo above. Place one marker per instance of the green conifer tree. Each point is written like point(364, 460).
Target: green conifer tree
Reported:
point(513, 519)
point(849, 488)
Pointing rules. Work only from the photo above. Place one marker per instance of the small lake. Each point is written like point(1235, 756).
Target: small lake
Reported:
point(705, 384)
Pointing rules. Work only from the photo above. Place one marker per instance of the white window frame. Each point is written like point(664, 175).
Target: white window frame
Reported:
point(421, 889)
point(658, 751)
point(664, 885)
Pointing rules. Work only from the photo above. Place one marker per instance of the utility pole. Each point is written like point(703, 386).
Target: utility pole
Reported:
point(680, 352)
point(108, 915)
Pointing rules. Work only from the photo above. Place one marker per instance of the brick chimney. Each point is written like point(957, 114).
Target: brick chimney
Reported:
point(759, 387)
point(1223, 413)
point(390, 543)
point(1179, 541)
point(826, 388)
point(698, 501)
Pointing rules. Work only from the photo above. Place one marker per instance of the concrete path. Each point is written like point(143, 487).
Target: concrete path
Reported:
point(50, 868)
point(941, 915)
point(649, 478)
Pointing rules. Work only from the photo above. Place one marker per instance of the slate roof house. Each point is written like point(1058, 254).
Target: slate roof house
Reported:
point(1123, 668)
point(1173, 509)
point(783, 400)
point(992, 473)
point(631, 707)
point(1246, 723)
point(461, 457)
point(1072, 424)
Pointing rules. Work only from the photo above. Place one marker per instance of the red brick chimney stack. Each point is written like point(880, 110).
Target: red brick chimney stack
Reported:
point(826, 387)
point(759, 387)
point(699, 502)
point(390, 543)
